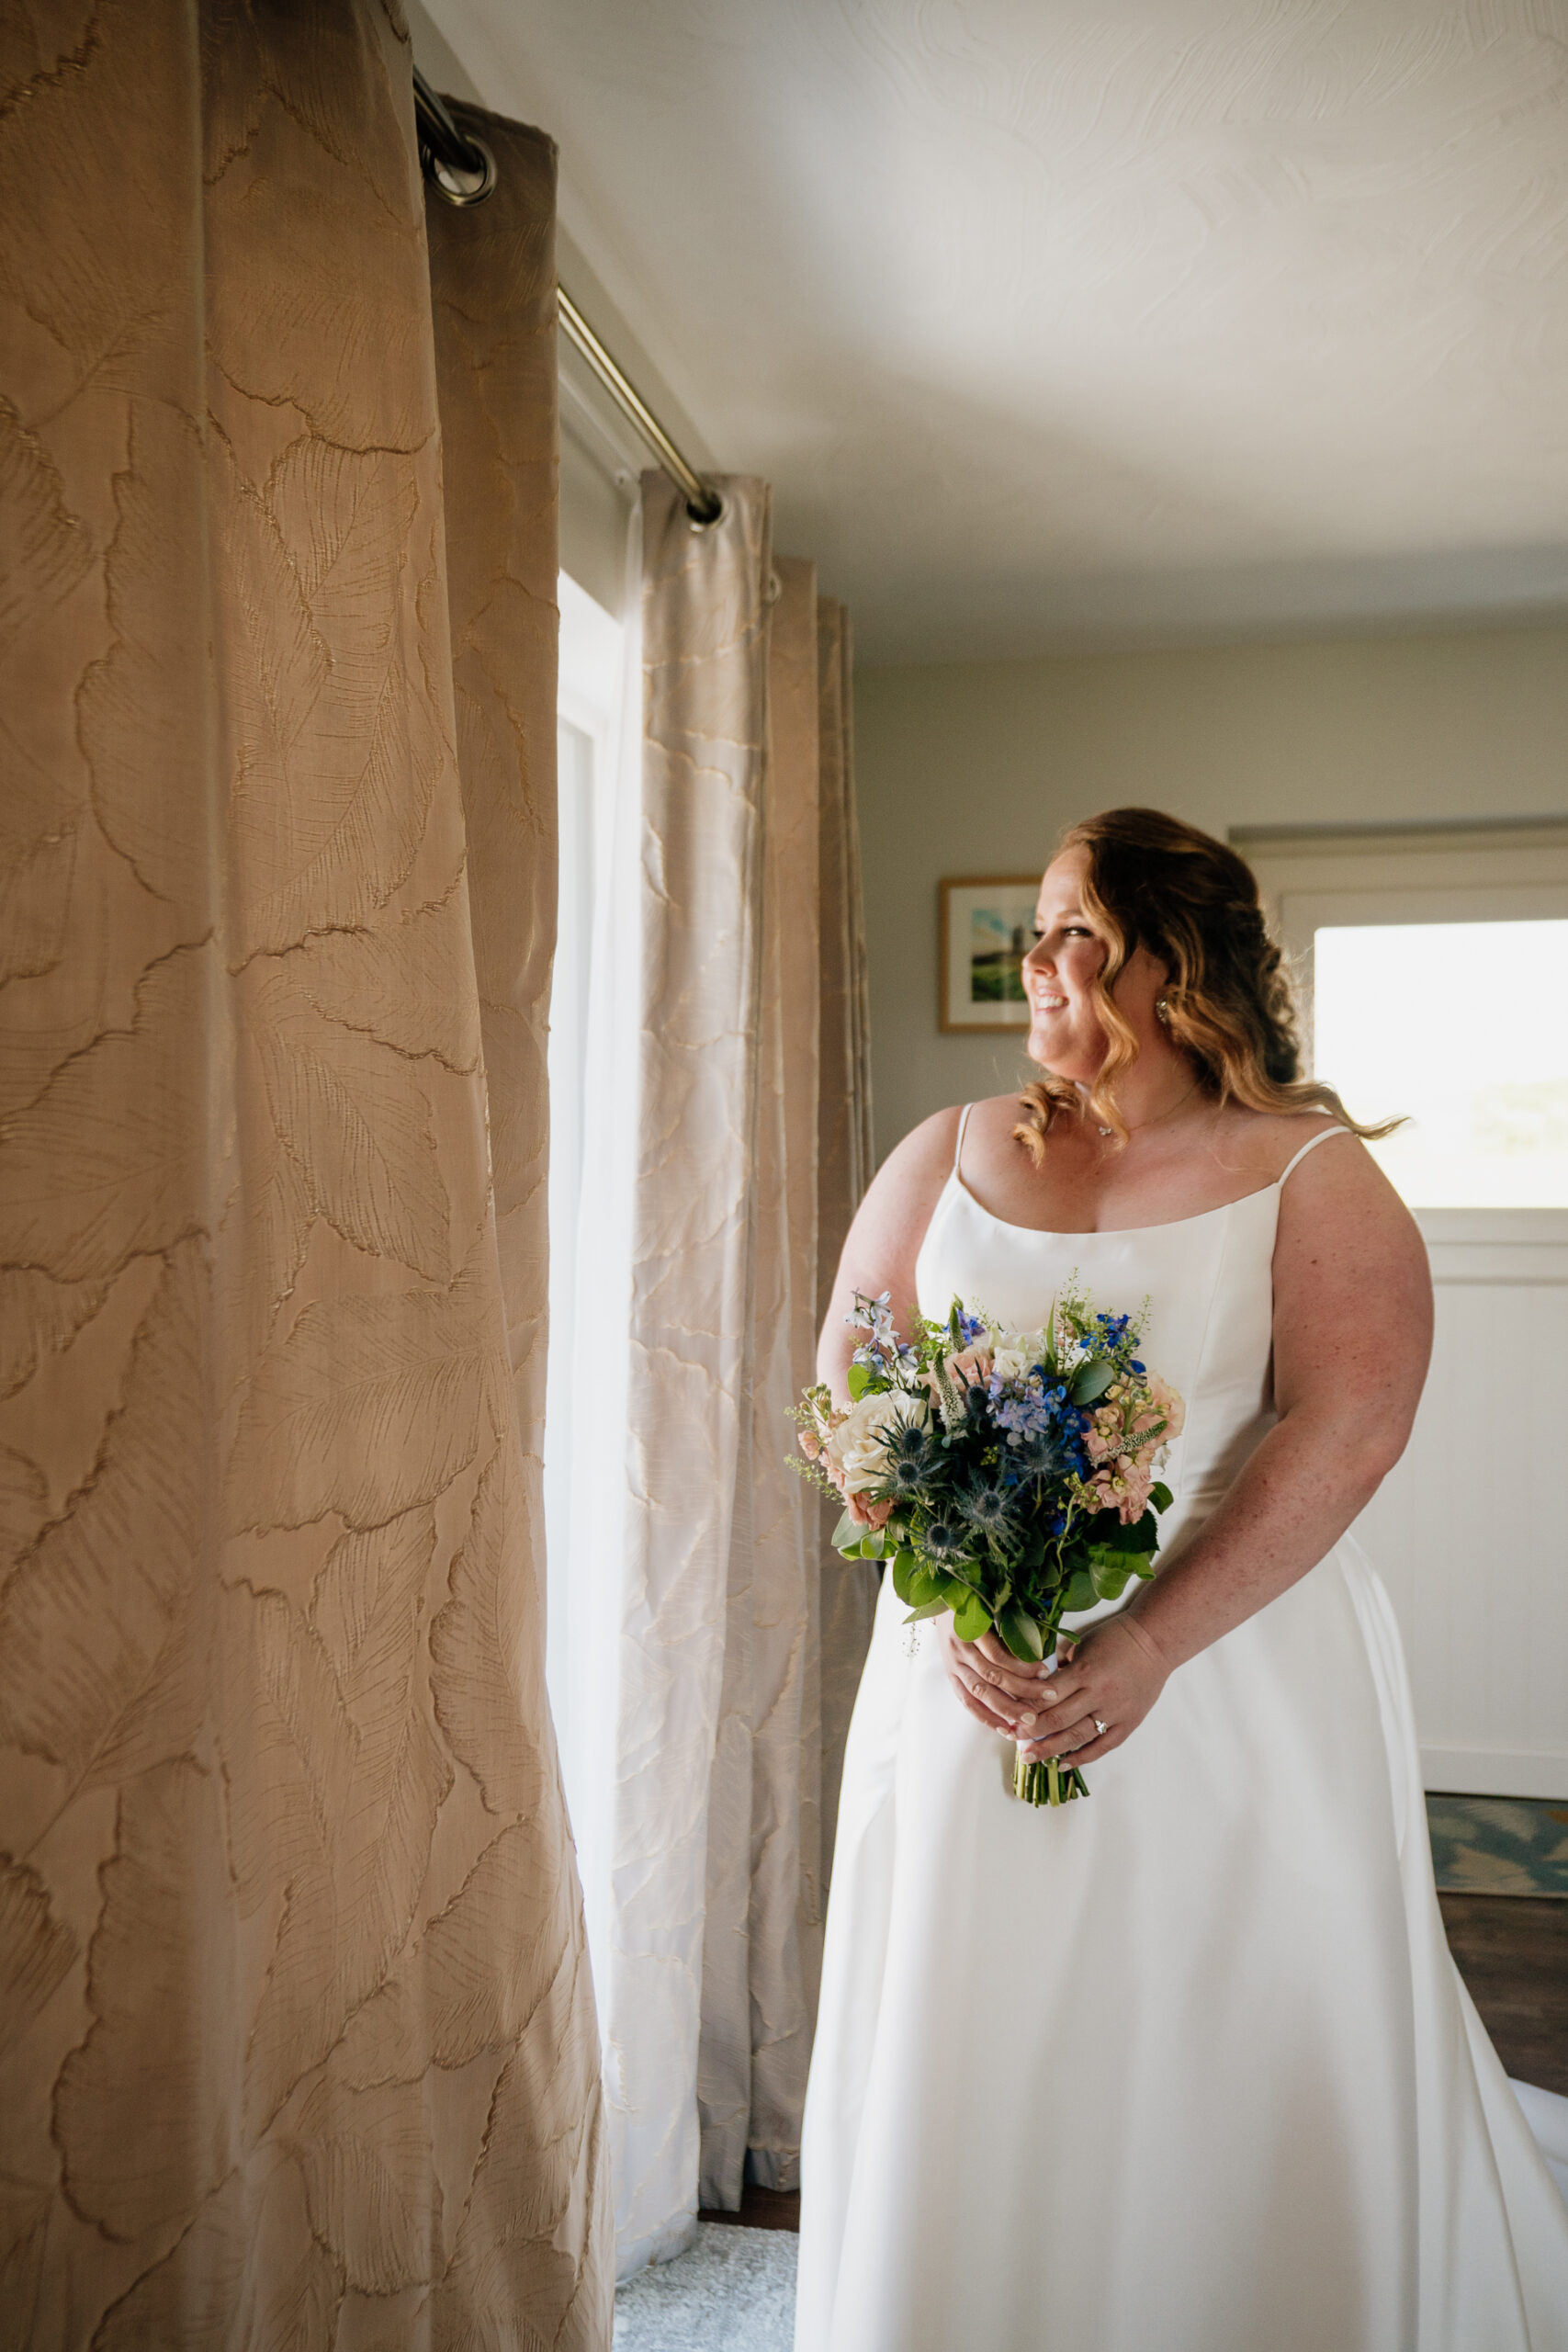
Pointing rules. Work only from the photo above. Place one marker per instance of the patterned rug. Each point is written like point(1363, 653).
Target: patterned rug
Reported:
point(1499, 1845)
point(732, 2290)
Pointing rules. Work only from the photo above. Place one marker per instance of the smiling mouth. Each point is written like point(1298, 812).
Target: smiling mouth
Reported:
point(1050, 1003)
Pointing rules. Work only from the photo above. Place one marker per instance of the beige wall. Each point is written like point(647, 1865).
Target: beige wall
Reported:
point(975, 768)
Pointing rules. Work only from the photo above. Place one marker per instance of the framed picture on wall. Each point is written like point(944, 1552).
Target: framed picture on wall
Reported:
point(987, 925)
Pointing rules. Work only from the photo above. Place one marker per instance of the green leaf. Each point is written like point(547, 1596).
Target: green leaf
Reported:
point(970, 1618)
point(873, 1545)
point(1142, 1536)
point(1092, 1380)
point(1081, 1593)
point(1108, 1571)
point(1019, 1632)
point(927, 1608)
point(906, 1575)
point(847, 1535)
point(857, 1380)
point(926, 1584)
point(1160, 1495)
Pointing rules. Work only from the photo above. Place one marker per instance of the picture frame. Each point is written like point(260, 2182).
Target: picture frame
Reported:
point(985, 924)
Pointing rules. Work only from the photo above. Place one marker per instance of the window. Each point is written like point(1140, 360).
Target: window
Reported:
point(587, 718)
point(1434, 970)
point(1462, 1027)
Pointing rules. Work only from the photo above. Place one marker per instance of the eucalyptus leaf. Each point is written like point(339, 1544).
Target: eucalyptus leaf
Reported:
point(847, 1535)
point(927, 1608)
point(873, 1545)
point(1092, 1380)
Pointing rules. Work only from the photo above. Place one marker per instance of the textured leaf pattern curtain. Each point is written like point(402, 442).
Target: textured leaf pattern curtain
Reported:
point(750, 920)
point(299, 2041)
point(705, 717)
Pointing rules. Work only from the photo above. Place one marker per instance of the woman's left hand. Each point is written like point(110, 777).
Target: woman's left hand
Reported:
point(1112, 1677)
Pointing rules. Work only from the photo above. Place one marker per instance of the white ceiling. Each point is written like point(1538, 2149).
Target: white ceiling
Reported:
point(1059, 322)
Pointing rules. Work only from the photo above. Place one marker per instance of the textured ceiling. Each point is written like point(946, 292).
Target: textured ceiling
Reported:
point(1067, 322)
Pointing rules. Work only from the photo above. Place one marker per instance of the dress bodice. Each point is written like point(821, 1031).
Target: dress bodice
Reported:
point(1208, 1328)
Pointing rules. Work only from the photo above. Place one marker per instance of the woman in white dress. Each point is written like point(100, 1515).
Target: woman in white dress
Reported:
point(1186, 2066)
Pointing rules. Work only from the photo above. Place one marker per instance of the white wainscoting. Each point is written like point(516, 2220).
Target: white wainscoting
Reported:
point(1469, 1533)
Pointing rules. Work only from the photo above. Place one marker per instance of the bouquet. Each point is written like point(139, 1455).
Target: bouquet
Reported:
point(1009, 1476)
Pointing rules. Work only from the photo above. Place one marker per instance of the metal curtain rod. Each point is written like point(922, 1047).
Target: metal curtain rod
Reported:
point(461, 169)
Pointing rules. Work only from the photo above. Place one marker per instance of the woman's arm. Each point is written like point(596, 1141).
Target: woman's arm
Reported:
point(1352, 1334)
point(885, 1240)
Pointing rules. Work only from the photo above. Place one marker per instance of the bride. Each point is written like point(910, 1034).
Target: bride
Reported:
point(1185, 2067)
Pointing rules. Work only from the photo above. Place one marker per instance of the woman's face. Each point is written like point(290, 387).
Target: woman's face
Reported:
point(1059, 971)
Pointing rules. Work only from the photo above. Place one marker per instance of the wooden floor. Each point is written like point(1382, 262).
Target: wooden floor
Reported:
point(1512, 1954)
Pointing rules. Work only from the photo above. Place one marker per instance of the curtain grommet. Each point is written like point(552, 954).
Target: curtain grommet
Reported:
point(697, 521)
point(452, 183)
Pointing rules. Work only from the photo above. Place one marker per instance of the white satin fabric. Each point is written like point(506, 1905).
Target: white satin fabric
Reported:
point(1185, 2067)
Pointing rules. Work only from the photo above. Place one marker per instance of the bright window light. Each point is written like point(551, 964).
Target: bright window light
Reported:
point(1463, 1026)
point(590, 684)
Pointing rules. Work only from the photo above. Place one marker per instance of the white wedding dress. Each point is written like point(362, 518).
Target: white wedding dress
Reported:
point(1186, 2066)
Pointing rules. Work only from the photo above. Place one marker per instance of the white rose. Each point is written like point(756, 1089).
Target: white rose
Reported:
point(1016, 1354)
point(858, 1447)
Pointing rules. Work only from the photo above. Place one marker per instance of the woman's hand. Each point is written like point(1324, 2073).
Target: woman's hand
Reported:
point(1112, 1677)
point(1001, 1691)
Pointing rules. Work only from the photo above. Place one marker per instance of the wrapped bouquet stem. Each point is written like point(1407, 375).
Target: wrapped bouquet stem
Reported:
point(1007, 1477)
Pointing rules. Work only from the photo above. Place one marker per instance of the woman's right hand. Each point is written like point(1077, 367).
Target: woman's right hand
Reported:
point(1003, 1692)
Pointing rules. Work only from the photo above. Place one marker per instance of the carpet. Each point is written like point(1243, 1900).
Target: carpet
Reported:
point(1499, 1845)
point(732, 2290)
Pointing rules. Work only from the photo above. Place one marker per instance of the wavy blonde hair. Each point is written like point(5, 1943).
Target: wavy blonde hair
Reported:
point(1151, 881)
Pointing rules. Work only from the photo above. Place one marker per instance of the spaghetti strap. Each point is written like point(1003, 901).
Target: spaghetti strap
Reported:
point(1326, 1134)
point(958, 1146)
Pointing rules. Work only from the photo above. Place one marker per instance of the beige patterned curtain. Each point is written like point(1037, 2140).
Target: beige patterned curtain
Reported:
point(300, 2045)
point(752, 1054)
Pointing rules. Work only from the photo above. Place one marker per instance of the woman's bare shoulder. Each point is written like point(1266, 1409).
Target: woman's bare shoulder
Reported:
point(1264, 1143)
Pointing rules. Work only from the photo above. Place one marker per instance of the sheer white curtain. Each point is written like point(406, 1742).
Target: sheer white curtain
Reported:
point(698, 1698)
point(594, 1076)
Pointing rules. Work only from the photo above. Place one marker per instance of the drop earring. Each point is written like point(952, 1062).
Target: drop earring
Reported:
point(1162, 1010)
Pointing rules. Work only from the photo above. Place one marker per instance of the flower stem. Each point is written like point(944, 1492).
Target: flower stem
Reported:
point(1047, 1783)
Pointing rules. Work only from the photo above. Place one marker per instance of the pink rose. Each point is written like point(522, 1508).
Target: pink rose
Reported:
point(864, 1514)
point(809, 1444)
